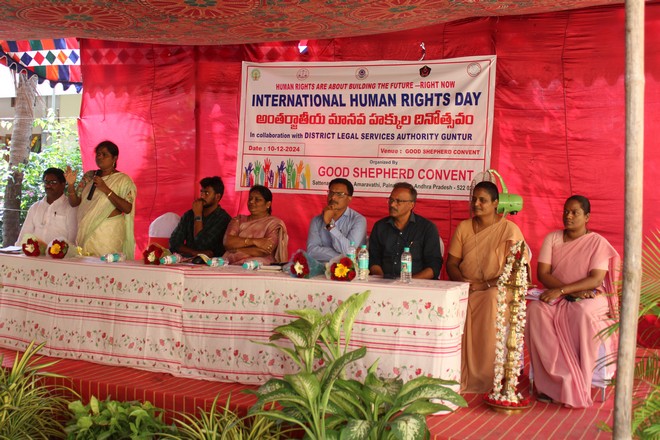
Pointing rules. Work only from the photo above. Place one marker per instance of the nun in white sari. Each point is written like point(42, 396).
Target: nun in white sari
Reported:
point(105, 220)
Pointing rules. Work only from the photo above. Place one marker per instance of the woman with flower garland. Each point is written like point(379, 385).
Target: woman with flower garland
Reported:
point(477, 254)
point(578, 268)
point(259, 236)
point(105, 200)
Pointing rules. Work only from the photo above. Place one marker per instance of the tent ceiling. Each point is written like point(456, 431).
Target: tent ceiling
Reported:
point(216, 22)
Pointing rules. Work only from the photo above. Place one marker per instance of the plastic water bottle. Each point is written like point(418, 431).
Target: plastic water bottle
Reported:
point(171, 259)
point(350, 253)
point(252, 265)
point(406, 265)
point(113, 258)
point(363, 263)
point(216, 262)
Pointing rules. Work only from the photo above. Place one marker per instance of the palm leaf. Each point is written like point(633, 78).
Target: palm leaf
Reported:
point(650, 286)
point(648, 369)
point(646, 411)
point(646, 416)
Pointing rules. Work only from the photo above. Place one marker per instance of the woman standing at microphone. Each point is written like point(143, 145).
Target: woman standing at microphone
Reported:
point(105, 198)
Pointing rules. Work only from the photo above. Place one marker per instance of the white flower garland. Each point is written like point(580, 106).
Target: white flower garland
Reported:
point(519, 285)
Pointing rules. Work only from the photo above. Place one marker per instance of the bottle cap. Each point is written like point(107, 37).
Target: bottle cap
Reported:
point(364, 246)
point(406, 249)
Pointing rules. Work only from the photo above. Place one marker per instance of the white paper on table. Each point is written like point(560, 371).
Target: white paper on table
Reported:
point(272, 268)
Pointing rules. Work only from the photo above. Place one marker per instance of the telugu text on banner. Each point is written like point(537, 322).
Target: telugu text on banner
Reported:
point(375, 123)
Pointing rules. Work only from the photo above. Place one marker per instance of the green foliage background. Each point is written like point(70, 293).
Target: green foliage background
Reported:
point(60, 148)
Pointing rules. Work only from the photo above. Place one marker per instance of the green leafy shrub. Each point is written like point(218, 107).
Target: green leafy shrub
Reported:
point(31, 409)
point(326, 405)
point(223, 423)
point(110, 419)
point(60, 148)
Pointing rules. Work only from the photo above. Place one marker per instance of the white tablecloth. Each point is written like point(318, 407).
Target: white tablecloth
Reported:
point(197, 321)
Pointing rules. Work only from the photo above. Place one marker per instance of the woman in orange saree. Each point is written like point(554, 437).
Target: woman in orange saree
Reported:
point(477, 254)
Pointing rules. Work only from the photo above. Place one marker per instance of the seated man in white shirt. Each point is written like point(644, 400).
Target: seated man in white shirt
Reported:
point(332, 231)
point(51, 217)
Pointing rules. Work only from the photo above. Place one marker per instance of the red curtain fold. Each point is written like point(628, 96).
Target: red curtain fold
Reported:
point(558, 128)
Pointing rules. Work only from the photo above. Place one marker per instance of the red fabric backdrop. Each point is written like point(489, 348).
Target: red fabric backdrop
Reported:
point(558, 129)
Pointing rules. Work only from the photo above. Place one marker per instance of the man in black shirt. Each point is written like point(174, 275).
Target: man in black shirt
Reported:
point(202, 228)
point(404, 228)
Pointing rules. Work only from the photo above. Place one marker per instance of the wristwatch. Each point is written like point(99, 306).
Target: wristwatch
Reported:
point(330, 225)
point(198, 218)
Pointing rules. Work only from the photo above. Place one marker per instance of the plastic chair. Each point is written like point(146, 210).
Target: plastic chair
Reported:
point(161, 229)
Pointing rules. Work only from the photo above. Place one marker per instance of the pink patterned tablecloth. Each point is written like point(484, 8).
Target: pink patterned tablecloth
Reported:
point(197, 321)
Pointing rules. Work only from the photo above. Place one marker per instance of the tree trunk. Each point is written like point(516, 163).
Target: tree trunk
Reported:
point(19, 151)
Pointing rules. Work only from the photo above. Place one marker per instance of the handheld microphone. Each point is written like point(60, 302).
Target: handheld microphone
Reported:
point(93, 188)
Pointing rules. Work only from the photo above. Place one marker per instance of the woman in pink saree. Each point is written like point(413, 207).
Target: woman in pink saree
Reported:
point(578, 268)
point(477, 254)
point(258, 236)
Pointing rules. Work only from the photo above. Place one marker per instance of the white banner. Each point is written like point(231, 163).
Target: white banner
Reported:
point(375, 123)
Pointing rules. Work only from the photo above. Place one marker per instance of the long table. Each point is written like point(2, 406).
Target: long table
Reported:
point(197, 321)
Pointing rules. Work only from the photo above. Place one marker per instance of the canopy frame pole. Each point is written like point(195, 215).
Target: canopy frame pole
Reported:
point(634, 204)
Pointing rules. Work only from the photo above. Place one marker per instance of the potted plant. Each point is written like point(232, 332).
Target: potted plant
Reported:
point(111, 419)
point(326, 405)
point(31, 408)
point(222, 422)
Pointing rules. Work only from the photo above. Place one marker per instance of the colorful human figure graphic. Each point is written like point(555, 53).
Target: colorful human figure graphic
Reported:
point(249, 178)
point(258, 177)
point(299, 170)
point(287, 174)
point(267, 173)
point(271, 179)
point(308, 176)
point(282, 177)
point(290, 174)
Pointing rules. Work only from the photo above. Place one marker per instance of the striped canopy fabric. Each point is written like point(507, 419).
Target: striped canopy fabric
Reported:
point(54, 60)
